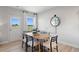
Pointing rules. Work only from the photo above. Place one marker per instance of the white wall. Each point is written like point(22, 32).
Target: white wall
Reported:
point(68, 31)
point(5, 14)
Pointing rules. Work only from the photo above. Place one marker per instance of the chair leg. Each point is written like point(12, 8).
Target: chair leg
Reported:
point(32, 49)
point(22, 43)
point(26, 46)
point(57, 48)
point(32, 44)
point(50, 47)
point(39, 48)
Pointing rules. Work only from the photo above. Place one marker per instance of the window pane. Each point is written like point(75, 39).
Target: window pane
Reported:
point(30, 23)
point(15, 23)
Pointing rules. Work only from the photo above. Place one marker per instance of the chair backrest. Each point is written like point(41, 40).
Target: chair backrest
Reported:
point(27, 36)
point(54, 38)
point(43, 32)
point(30, 37)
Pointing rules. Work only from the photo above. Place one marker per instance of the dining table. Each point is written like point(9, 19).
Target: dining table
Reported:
point(40, 37)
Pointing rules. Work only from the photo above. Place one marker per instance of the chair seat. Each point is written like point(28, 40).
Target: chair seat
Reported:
point(30, 42)
point(47, 44)
point(35, 43)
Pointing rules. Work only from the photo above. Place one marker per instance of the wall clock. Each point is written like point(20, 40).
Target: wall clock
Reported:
point(55, 21)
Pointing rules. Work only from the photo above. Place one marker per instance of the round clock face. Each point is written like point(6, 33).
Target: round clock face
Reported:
point(55, 21)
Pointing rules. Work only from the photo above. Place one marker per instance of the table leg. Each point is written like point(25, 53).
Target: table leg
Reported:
point(39, 48)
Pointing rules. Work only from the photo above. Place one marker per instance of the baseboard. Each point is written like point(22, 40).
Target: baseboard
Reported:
point(70, 44)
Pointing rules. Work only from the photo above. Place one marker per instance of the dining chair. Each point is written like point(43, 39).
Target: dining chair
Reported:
point(24, 41)
point(33, 43)
point(29, 41)
point(51, 44)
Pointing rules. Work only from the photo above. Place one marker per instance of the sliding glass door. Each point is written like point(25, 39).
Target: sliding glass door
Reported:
point(15, 28)
point(29, 23)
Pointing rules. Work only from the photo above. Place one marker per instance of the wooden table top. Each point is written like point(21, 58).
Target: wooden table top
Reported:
point(38, 36)
point(41, 36)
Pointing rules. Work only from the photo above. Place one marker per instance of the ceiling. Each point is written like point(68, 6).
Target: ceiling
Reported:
point(35, 9)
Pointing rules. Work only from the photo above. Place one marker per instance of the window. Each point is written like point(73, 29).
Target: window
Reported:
point(29, 24)
point(15, 22)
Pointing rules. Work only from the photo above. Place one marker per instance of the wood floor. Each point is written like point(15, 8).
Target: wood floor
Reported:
point(16, 47)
